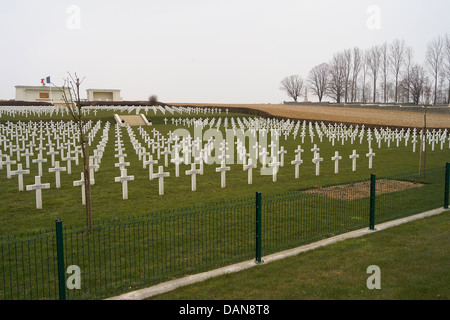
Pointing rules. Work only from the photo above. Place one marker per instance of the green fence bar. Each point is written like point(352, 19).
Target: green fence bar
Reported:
point(258, 228)
point(60, 258)
point(447, 182)
point(372, 202)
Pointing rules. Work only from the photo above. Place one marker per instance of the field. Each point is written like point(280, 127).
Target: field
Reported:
point(378, 116)
point(194, 227)
point(20, 215)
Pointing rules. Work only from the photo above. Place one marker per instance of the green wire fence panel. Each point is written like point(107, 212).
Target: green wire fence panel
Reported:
point(142, 251)
point(121, 255)
point(403, 195)
point(28, 267)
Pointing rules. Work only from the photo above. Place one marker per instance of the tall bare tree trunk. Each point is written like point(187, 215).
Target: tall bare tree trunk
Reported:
point(72, 100)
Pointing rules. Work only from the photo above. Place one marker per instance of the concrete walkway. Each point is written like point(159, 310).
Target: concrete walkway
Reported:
point(173, 284)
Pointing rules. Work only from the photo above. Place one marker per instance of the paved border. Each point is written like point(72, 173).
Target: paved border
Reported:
point(173, 284)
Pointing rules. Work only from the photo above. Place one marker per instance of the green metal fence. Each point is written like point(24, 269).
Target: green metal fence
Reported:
point(126, 254)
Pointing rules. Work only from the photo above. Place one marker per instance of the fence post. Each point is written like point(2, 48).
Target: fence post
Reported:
point(447, 183)
point(372, 202)
point(60, 258)
point(258, 228)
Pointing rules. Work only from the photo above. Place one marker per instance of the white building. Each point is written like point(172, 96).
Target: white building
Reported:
point(103, 95)
point(40, 93)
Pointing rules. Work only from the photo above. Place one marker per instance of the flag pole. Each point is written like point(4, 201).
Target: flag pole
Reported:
point(51, 96)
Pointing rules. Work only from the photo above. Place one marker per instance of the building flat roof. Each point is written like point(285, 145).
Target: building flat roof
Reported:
point(40, 87)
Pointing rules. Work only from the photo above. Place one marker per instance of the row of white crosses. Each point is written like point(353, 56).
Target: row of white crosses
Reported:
point(187, 145)
point(21, 140)
point(94, 162)
point(336, 158)
point(30, 133)
point(320, 130)
point(335, 133)
point(56, 111)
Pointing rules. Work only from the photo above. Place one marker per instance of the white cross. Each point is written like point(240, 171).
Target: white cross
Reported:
point(150, 163)
point(297, 162)
point(315, 150)
point(27, 154)
point(222, 169)
point(272, 147)
point(336, 159)
point(39, 160)
point(121, 164)
point(371, 154)
point(200, 159)
point(414, 141)
point(316, 160)
point(124, 179)
point(354, 156)
point(274, 164)
point(193, 173)
point(166, 153)
point(161, 175)
point(186, 153)
point(20, 172)
point(97, 157)
point(69, 160)
point(38, 186)
point(81, 183)
point(77, 152)
point(299, 151)
point(57, 169)
point(249, 167)
point(264, 153)
point(177, 162)
point(8, 163)
point(256, 147)
point(144, 154)
point(92, 168)
point(52, 153)
point(282, 152)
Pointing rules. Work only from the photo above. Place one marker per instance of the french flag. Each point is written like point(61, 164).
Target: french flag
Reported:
point(47, 80)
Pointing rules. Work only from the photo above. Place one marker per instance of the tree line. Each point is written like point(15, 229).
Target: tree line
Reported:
point(385, 73)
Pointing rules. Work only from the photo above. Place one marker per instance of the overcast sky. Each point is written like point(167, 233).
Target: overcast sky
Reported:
point(213, 51)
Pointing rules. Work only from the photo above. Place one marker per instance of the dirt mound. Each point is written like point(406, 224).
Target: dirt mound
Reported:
point(358, 190)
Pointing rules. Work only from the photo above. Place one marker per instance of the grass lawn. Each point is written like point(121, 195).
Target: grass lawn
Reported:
point(413, 258)
point(18, 212)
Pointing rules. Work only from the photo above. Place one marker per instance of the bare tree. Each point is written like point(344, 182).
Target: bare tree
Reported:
point(336, 79)
point(356, 68)
point(374, 66)
point(409, 54)
point(365, 68)
point(347, 57)
point(153, 100)
point(446, 65)
point(318, 80)
point(397, 55)
point(384, 69)
point(72, 100)
point(434, 58)
point(293, 86)
point(417, 82)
